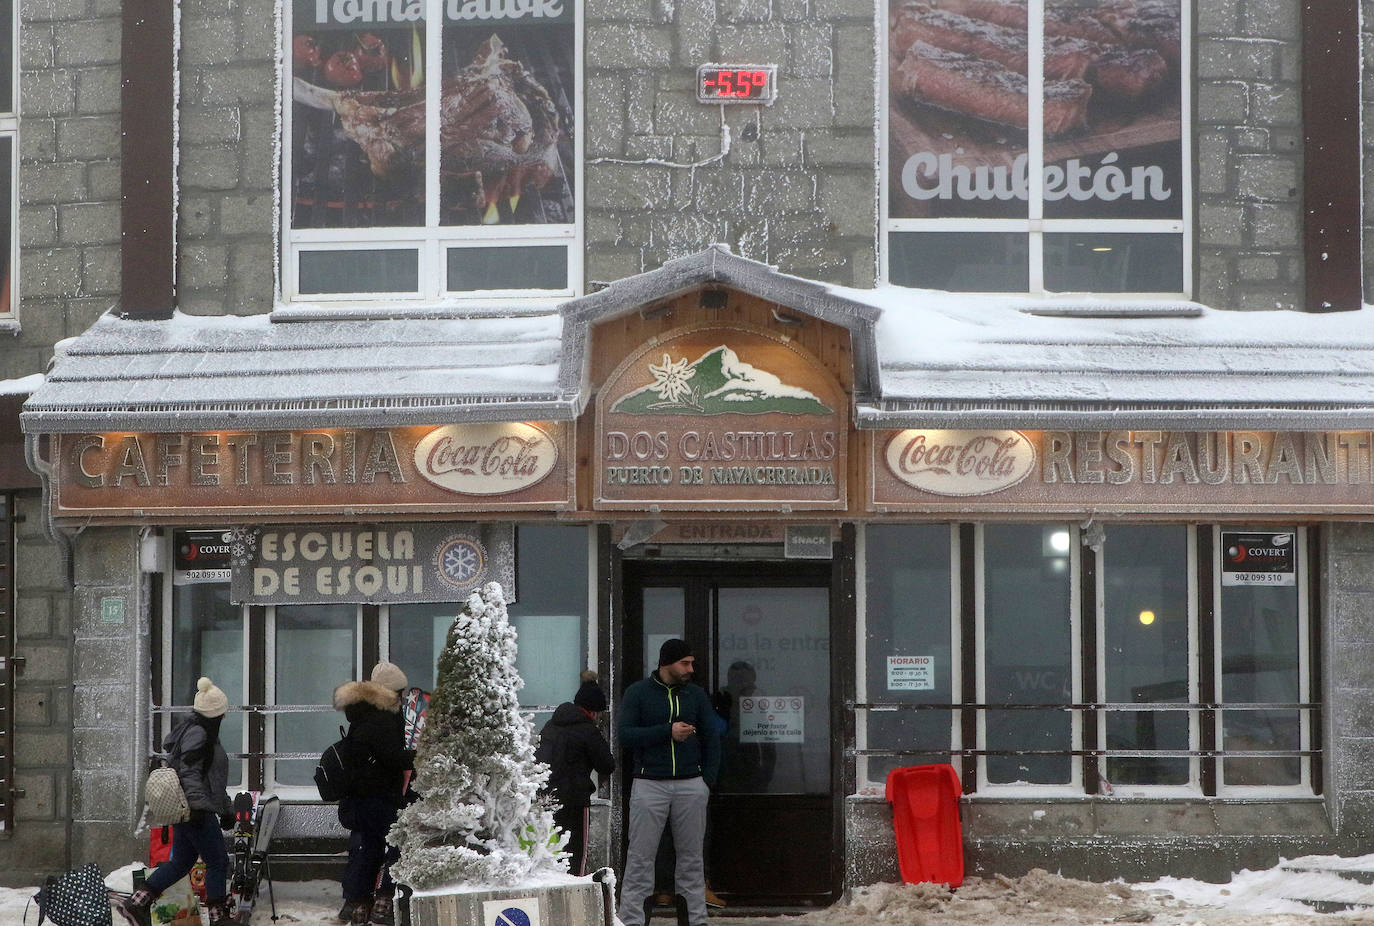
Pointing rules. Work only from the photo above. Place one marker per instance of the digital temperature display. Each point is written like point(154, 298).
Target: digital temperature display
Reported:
point(737, 83)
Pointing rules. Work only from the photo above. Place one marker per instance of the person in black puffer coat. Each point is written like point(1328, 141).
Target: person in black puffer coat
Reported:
point(572, 747)
point(380, 761)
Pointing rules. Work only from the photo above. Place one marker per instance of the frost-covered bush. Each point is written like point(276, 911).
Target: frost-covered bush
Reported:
point(479, 820)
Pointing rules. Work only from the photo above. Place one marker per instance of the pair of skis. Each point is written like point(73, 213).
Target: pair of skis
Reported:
point(254, 820)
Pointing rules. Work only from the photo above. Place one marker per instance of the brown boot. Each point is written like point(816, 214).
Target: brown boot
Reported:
point(711, 899)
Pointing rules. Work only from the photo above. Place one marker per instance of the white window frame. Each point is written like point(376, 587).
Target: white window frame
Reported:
point(9, 128)
point(1074, 786)
point(1193, 787)
point(1303, 787)
point(434, 239)
point(1035, 225)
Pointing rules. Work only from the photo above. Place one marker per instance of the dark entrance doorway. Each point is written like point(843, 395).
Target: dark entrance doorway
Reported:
point(762, 633)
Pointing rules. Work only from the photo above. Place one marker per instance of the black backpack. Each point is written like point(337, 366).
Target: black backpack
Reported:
point(334, 772)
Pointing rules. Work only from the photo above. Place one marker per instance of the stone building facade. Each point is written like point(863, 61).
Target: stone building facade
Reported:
point(796, 185)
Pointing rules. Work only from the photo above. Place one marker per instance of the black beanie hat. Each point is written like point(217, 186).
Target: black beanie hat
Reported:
point(589, 695)
point(673, 650)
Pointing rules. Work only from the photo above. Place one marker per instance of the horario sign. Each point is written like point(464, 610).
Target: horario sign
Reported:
point(721, 417)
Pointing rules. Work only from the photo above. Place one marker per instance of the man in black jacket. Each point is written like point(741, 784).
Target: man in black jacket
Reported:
point(669, 724)
point(378, 760)
point(573, 748)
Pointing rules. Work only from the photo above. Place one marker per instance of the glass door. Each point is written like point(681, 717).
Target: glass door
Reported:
point(761, 634)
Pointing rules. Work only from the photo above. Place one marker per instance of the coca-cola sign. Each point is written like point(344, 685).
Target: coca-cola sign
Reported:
point(486, 459)
point(960, 462)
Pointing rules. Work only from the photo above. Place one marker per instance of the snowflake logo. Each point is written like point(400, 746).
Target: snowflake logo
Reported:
point(461, 561)
point(671, 383)
point(243, 545)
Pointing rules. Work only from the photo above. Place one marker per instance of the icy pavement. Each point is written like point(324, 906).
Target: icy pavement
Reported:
point(1251, 898)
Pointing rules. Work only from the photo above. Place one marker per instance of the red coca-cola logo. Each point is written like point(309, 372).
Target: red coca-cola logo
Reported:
point(946, 462)
point(486, 459)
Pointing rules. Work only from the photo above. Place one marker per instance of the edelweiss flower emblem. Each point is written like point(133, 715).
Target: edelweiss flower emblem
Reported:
point(671, 381)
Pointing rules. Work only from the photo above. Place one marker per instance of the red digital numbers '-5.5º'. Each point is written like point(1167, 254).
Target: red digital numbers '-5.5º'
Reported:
point(734, 84)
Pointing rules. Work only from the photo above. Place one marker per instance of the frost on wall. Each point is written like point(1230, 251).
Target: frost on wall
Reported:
point(479, 820)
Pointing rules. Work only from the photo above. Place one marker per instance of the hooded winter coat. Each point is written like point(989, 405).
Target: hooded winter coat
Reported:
point(648, 711)
point(379, 754)
point(573, 748)
point(194, 750)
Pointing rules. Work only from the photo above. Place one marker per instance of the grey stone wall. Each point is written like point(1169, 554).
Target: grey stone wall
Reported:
point(107, 671)
point(42, 704)
point(228, 124)
point(68, 175)
point(797, 188)
point(1348, 685)
point(1248, 181)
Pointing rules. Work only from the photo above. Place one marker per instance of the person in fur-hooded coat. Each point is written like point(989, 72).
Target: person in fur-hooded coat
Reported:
point(379, 762)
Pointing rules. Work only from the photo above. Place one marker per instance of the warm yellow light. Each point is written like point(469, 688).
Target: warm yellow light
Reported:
point(1147, 617)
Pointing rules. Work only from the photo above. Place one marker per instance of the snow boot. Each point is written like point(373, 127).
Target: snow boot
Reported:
point(219, 911)
point(362, 912)
point(136, 908)
point(383, 911)
point(346, 911)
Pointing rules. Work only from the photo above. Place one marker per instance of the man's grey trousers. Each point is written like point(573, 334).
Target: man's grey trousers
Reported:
point(652, 804)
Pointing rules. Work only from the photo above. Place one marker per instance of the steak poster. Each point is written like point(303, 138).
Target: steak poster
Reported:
point(959, 113)
point(362, 79)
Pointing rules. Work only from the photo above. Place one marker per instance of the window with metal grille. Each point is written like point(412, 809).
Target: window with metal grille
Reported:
point(1131, 659)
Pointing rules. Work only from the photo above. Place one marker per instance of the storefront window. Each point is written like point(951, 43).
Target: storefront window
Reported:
point(909, 653)
point(1260, 648)
point(1147, 652)
point(1108, 627)
point(1028, 652)
point(316, 651)
point(432, 149)
point(1059, 172)
point(208, 639)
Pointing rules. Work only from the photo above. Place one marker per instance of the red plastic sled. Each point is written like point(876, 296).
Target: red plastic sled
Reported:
point(925, 816)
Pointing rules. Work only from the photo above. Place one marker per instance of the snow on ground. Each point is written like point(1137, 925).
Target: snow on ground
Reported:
point(1251, 898)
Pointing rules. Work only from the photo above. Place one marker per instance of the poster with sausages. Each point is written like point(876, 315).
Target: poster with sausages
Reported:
point(959, 113)
point(360, 86)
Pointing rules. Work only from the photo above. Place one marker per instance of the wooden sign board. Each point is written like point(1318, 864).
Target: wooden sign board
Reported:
point(227, 474)
point(1054, 472)
point(721, 417)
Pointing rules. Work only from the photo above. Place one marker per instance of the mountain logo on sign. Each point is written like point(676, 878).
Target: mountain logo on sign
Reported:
point(717, 383)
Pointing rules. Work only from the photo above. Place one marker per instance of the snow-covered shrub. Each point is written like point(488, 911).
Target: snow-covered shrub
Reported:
point(479, 820)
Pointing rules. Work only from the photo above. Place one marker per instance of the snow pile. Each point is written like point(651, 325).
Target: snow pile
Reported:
point(479, 822)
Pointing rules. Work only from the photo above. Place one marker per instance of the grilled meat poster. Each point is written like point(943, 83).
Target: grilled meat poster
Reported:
point(958, 109)
point(361, 81)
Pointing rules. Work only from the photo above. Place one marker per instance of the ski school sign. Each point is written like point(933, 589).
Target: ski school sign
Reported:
point(372, 564)
point(725, 417)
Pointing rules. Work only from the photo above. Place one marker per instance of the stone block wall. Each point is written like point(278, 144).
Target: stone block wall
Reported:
point(228, 123)
point(68, 176)
point(42, 704)
point(1348, 686)
point(1248, 169)
point(797, 187)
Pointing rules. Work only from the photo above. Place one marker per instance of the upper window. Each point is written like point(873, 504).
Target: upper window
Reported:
point(433, 149)
point(1037, 146)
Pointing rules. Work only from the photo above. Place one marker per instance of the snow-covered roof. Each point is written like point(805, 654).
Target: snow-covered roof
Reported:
point(922, 359)
point(196, 372)
point(957, 360)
